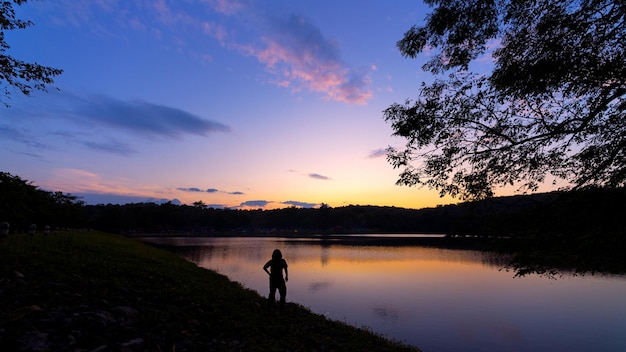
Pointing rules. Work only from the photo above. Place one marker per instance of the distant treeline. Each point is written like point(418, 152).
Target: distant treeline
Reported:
point(582, 229)
point(582, 212)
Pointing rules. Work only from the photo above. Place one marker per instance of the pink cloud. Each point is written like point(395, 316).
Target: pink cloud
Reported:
point(77, 180)
point(292, 49)
point(168, 16)
point(302, 69)
point(215, 30)
point(226, 7)
point(304, 59)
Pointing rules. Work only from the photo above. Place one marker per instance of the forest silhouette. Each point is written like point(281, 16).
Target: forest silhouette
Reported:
point(582, 231)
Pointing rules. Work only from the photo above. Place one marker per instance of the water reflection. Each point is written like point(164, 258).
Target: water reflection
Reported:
point(436, 299)
point(319, 286)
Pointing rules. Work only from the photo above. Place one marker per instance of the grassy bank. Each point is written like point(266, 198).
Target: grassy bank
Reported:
point(88, 291)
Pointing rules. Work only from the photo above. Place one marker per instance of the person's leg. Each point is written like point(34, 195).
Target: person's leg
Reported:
point(282, 290)
point(272, 297)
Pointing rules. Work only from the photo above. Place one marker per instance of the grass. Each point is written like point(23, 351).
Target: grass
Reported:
point(86, 291)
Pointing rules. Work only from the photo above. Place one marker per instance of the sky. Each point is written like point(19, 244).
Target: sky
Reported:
point(241, 104)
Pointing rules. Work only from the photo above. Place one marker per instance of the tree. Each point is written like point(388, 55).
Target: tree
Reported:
point(200, 204)
point(552, 107)
point(22, 204)
point(15, 73)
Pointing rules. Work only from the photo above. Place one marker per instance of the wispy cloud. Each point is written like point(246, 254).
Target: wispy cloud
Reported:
point(377, 153)
point(112, 147)
point(21, 136)
point(293, 49)
point(226, 7)
point(319, 177)
point(143, 117)
point(301, 57)
point(190, 189)
point(138, 117)
point(300, 204)
point(208, 190)
point(312, 175)
point(167, 15)
point(255, 203)
point(266, 203)
point(78, 181)
point(216, 31)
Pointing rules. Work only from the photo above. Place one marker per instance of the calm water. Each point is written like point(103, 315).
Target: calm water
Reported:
point(436, 299)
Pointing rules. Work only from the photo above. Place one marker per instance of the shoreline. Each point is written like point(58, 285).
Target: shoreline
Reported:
point(103, 292)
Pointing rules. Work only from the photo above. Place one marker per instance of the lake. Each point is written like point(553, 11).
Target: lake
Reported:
point(435, 299)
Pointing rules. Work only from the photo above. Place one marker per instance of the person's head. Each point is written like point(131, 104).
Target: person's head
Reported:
point(277, 254)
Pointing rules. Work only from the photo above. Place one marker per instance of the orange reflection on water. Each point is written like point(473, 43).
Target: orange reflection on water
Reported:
point(436, 299)
point(341, 259)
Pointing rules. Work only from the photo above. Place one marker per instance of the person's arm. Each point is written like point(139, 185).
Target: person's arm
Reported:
point(286, 274)
point(267, 265)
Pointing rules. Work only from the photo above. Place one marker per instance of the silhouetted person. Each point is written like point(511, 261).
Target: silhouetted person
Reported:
point(277, 264)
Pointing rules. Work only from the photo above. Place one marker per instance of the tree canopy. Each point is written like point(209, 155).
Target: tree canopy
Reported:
point(15, 73)
point(552, 108)
point(22, 204)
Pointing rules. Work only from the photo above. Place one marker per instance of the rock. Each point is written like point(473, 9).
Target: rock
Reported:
point(34, 341)
point(126, 312)
point(134, 342)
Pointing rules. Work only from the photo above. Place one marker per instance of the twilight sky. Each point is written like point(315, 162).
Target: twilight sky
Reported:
point(238, 103)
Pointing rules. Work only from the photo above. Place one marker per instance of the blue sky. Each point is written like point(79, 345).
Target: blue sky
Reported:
point(241, 104)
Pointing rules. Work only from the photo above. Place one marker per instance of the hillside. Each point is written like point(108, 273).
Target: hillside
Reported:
point(88, 291)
